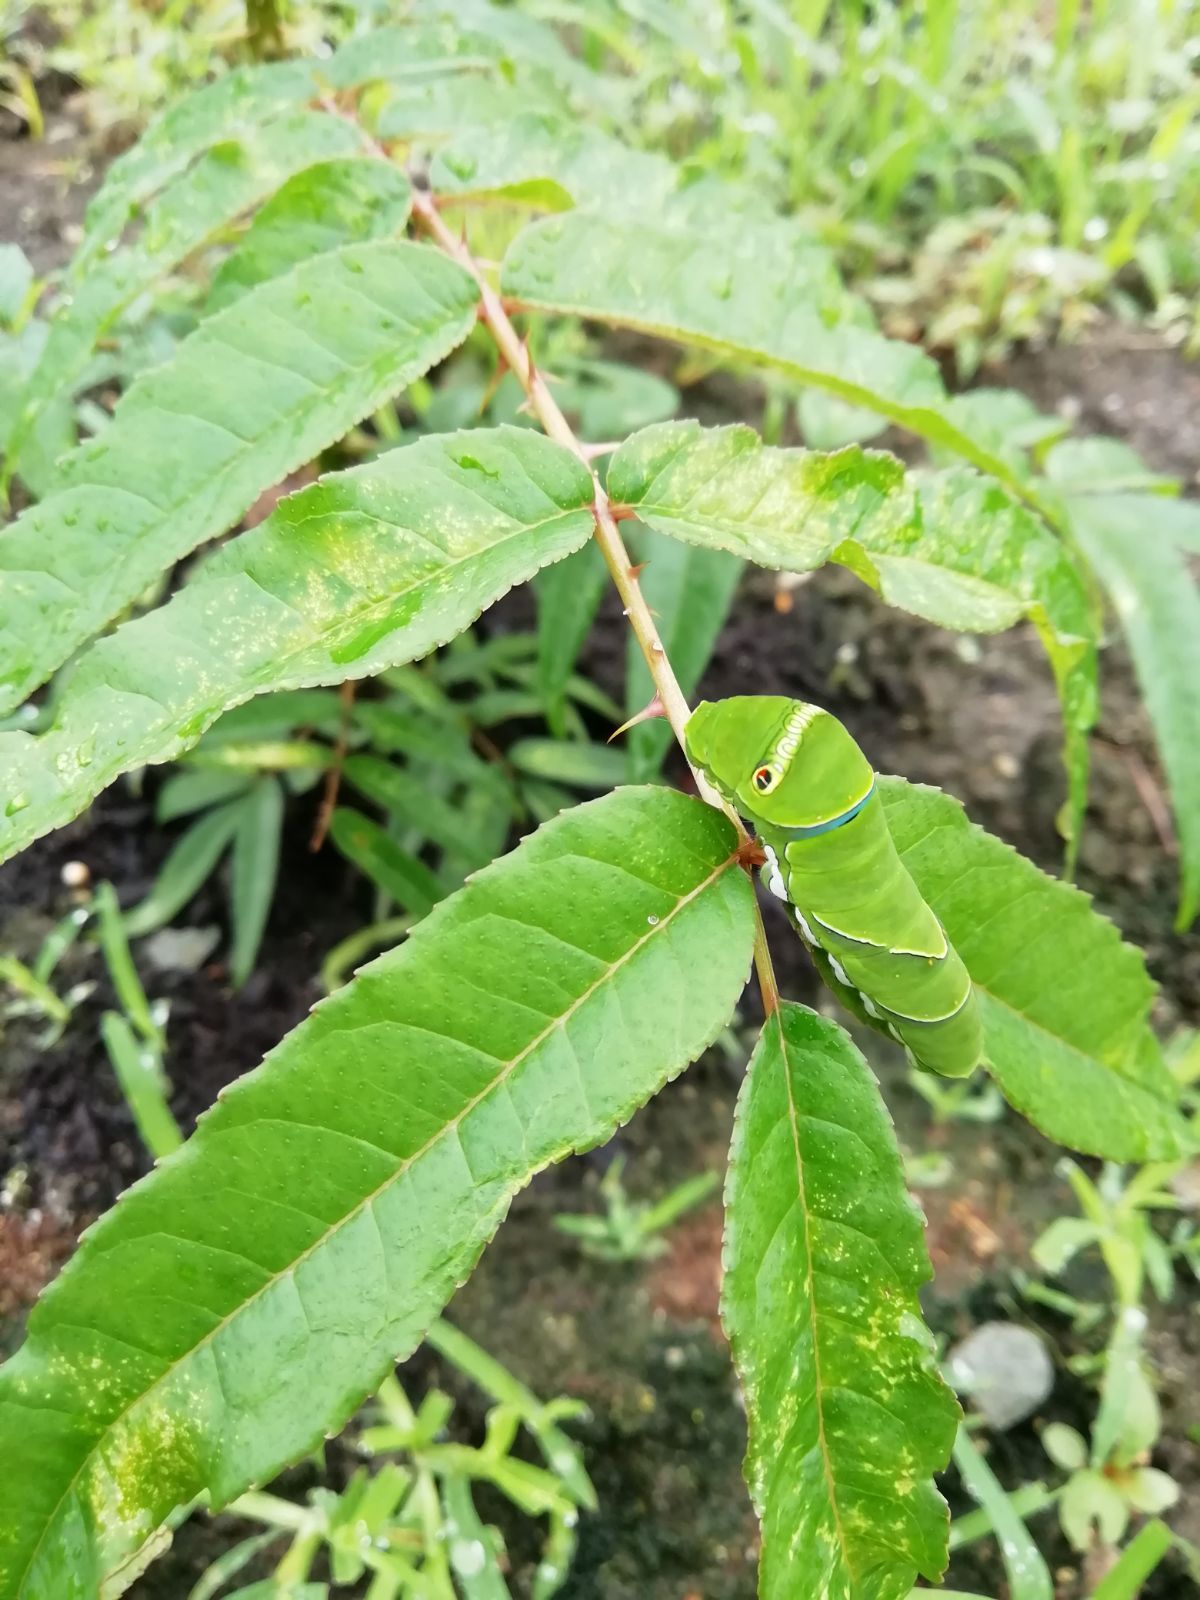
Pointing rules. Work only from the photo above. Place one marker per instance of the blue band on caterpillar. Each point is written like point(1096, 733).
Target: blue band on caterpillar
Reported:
point(834, 822)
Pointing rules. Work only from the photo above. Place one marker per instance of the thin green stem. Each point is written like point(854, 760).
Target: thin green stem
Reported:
point(19, 977)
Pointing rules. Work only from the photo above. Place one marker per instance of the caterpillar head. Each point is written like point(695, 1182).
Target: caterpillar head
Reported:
point(784, 762)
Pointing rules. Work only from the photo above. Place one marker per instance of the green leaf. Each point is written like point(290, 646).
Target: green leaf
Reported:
point(1064, 1001)
point(768, 297)
point(16, 280)
point(254, 868)
point(361, 571)
point(1065, 1447)
point(951, 547)
point(410, 882)
point(240, 1302)
point(1005, 422)
point(1140, 1557)
point(569, 761)
point(256, 391)
point(196, 790)
point(139, 1073)
point(409, 799)
point(561, 1452)
point(441, 39)
point(236, 103)
point(690, 592)
point(469, 1545)
point(824, 1256)
point(827, 423)
point(229, 1563)
point(1156, 517)
point(520, 42)
point(1092, 1510)
point(1129, 1420)
point(228, 180)
point(442, 741)
point(722, 488)
point(192, 861)
point(328, 205)
point(1103, 466)
point(278, 716)
point(610, 398)
point(54, 431)
point(1154, 595)
point(408, 50)
point(549, 162)
point(441, 108)
point(1027, 1573)
point(568, 597)
point(1058, 1244)
point(281, 1589)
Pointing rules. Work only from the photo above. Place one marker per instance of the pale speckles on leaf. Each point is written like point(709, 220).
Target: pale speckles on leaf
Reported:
point(365, 569)
point(848, 1418)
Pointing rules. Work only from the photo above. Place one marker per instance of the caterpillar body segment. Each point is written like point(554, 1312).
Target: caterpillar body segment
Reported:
point(795, 773)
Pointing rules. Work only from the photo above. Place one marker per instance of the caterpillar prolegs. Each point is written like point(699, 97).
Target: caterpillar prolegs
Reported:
point(795, 773)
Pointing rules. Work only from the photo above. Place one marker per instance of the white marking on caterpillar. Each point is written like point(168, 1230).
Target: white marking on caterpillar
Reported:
point(929, 955)
point(868, 1005)
point(895, 949)
point(839, 971)
point(789, 740)
point(805, 931)
point(774, 876)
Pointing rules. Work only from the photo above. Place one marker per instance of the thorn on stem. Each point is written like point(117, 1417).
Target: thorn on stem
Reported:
point(646, 714)
point(637, 569)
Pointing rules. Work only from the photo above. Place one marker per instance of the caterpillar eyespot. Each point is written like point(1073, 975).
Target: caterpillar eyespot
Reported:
point(763, 780)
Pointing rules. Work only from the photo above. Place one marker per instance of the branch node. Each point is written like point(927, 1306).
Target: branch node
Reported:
point(751, 854)
point(591, 452)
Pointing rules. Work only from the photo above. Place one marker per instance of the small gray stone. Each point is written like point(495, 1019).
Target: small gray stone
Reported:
point(1004, 1369)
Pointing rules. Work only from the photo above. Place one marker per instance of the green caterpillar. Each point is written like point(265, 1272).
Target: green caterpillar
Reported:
point(797, 775)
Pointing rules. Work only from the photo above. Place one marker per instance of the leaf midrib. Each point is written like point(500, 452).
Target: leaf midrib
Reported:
point(403, 1167)
point(906, 416)
point(809, 1276)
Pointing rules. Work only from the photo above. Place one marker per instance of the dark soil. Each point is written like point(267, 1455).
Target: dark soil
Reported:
point(641, 1344)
